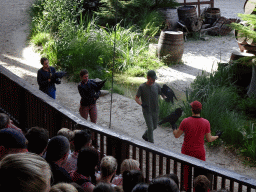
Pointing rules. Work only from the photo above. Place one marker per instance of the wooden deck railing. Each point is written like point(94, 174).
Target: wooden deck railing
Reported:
point(29, 107)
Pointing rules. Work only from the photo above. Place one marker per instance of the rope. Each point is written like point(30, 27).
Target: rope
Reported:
point(113, 67)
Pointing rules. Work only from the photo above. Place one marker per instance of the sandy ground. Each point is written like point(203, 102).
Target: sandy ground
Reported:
point(127, 116)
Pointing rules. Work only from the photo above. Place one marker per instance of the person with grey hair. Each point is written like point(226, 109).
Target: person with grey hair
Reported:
point(63, 187)
point(6, 122)
point(56, 156)
point(126, 165)
point(108, 167)
point(24, 172)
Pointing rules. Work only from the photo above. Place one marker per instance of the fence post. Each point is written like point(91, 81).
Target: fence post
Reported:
point(118, 149)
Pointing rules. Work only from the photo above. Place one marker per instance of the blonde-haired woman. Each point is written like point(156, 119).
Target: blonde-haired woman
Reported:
point(24, 172)
point(127, 165)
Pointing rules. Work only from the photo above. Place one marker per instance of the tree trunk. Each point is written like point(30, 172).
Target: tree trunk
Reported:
point(252, 89)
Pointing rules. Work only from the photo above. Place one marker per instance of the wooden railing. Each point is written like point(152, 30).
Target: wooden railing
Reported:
point(198, 3)
point(29, 107)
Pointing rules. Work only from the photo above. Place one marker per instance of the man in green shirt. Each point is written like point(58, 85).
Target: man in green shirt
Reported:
point(148, 92)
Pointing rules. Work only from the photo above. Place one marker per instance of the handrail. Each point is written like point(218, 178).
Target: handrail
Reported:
point(31, 107)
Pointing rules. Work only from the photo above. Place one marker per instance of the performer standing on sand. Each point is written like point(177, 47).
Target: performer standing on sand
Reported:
point(195, 129)
point(149, 92)
point(87, 89)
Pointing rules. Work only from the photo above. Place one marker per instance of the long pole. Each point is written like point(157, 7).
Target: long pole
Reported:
point(113, 64)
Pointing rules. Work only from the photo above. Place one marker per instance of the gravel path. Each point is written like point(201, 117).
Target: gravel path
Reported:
point(127, 117)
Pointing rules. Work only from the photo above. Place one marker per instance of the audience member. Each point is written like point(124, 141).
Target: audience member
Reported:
point(37, 140)
point(12, 141)
point(174, 177)
point(70, 136)
point(56, 156)
point(82, 139)
point(108, 167)
point(63, 187)
point(79, 188)
point(163, 184)
point(24, 172)
point(140, 187)
point(103, 187)
point(201, 184)
point(6, 122)
point(85, 174)
point(132, 178)
point(127, 165)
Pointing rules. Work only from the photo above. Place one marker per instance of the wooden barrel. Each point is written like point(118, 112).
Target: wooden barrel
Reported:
point(171, 17)
point(171, 46)
point(186, 14)
point(211, 15)
point(242, 70)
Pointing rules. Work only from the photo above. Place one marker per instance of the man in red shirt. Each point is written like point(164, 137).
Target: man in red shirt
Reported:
point(195, 129)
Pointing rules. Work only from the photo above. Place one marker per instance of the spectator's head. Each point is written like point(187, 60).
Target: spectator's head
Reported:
point(82, 139)
point(174, 177)
point(57, 150)
point(108, 166)
point(66, 133)
point(129, 164)
point(37, 140)
point(12, 141)
point(140, 187)
point(78, 187)
point(4, 120)
point(132, 178)
point(63, 187)
point(103, 187)
point(88, 159)
point(201, 183)
point(163, 184)
point(24, 172)
point(196, 107)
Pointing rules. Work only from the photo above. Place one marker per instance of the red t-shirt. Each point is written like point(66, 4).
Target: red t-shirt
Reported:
point(195, 129)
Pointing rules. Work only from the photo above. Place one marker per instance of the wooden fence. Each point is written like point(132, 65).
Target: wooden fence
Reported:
point(29, 107)
point(198, 3)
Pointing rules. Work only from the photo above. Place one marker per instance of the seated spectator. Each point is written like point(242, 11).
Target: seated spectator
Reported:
point(103, 187)
point(85, 174)
point(6, 122)
point(132, 178)
point(82, 139)
point(56, 156)
point(201, 184)
point(63, 187)
point(37, 140)
point(70, 136)
point(127, 165)
point(108, 167)
point(174, 177)
point(140, 187)
point(12, 141)
point(163, 184)
point(79, 188)
point(24, 172)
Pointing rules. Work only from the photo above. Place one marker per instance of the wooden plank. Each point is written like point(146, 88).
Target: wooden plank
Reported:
point(168, 166)
point(160, 165)
point(154, 166)
point(231, 186)
point(215, 184)
point(147, 166)
point(223, 183)
point(134, 152)
point(141, 159)
point(175, 167)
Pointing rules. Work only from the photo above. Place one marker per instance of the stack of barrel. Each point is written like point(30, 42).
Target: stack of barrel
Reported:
point(171, 42)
